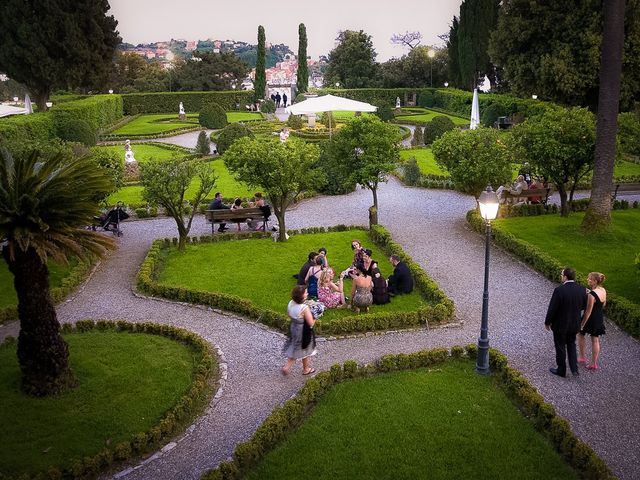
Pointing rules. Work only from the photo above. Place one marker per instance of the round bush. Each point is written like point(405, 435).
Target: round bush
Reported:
point(77, 130)
point(491, 113)
point(436, 128)
point(295, 122)
point(385, 113)
point(230, 134)
point(425, 99)
point(412, 172)
point(268, 106)
point(212, 116)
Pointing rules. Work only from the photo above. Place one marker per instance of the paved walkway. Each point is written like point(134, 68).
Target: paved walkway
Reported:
point(430, 224)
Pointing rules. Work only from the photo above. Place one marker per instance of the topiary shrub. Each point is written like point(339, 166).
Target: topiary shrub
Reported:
point(230, 134)
point(425, 99)
point(412, 172)
point(203, 146)
point(268, 106)
point(418, 137)
point(385, 113)
point(212, 116)
point(77, 130)
point(436, 128)
point(295, 122)
point(491, 113)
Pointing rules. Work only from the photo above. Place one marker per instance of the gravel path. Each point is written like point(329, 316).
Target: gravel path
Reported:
point(430, 224)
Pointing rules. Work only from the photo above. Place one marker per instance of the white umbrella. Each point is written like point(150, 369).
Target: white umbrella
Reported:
point(27, 104)
point(475, 111)
point(329, 103)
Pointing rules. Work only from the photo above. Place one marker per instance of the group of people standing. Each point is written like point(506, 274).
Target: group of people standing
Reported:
point(279, 100)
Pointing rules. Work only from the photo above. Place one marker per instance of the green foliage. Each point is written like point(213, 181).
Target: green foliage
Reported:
point(415, 69)
point(302, 75)
point(99, 111)
point(337, 183)
point(492, 112)
point(411, 172)
point(327, 119)
point(76, 130)
point(203, 146)
point(132, 73)
point(385, 113)
point(473, 158)
point(112, 164)
point(352, 62)
point(268, 106)
point(418, 138)
point(295, 121)
point(282, 170)
point(213, 71)
point(230, 134)
point(57, 46)
point(23, 129)
point(629, 132)
point(137, 103)
point(453, 57)
point(425, 99)
point(260, 82)
point(212, 115)
point(436, 128)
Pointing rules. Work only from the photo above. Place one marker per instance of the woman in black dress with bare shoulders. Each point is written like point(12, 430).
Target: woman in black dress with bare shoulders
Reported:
point(593, 320)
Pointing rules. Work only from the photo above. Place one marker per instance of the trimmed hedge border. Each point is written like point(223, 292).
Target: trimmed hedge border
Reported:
point(135, 103)
point(288, 417)
point(77, 275)
point(170, 133)
point(441, 312)
point(619, 309)
point(526, 210)
point(190, 405)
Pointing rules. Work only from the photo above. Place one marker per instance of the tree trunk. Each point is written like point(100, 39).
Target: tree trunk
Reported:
point(598, 215)
point(43, 354)
point(374, 191)
point(282, 230)
point(41, 97)
point(564, 206)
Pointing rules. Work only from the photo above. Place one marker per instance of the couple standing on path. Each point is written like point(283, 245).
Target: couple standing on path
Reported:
point(565, 319)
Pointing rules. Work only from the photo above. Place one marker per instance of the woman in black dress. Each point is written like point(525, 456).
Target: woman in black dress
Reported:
point(593, 319)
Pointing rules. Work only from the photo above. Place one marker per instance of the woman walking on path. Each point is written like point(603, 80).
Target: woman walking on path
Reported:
point(593, 320)
point(301, 342)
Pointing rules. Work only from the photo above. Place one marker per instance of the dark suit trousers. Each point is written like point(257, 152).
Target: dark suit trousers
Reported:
point(565, 344)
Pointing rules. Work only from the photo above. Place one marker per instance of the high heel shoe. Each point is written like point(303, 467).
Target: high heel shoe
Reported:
point(593, 366)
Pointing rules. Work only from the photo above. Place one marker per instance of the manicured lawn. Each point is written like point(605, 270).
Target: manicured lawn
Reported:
point(132, 195)
point(243, 116)
point(346, 116)
point(426, 162)
point(57, 273)
point(142, 152)
point(156, 123)
point(261, 270)
point(445, 422)
point(127, 383)
point(428, 115)
point(626, 169)
point(611, 253)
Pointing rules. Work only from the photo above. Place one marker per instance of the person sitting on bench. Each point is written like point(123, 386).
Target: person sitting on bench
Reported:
point(516, 189)
point(266, 211)
point(218, 205)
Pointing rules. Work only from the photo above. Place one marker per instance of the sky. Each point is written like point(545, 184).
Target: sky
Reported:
point(147, 21)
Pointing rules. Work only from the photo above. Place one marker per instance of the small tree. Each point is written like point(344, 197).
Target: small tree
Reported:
point(302, 76)
point(412, 172)
point(268, 106)
point(295, 122)
point(166, 182)
point(230, 134)
point(212, 115)
point(281, 169)
point(559, 145)
point(369, 152)
point(436, 128)
point(418, 137)
point(260, 82)
point(473, 158)
point(203, 146)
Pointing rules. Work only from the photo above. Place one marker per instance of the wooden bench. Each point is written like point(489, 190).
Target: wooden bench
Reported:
point(235, 216)
point(527, 195)
point(625, 189)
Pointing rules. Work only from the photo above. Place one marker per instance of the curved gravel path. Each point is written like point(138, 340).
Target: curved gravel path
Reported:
point(430, 225)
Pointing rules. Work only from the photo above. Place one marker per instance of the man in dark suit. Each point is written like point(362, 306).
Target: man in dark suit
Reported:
point(563, 318)
point(217, 204)
point(401, 280)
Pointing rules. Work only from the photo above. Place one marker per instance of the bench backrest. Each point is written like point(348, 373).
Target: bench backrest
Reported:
point(242, 213)
point(536, 192)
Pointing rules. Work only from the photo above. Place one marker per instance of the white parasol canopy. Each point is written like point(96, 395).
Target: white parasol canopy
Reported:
point(475, 111)
point(27, 104)
point(6, 110)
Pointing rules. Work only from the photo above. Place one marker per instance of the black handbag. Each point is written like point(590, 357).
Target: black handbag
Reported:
point(308, 336)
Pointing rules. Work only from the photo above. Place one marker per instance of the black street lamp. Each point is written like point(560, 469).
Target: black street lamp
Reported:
point(488, 203)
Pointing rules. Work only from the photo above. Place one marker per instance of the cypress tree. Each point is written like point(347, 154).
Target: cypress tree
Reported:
point(478, 18)
point(303, 72)
point(452, 51)
point(260, 83)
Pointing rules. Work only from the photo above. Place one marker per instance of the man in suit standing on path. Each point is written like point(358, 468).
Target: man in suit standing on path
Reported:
point(563, 318)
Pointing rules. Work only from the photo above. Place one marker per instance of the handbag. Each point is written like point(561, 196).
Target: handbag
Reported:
point(308, 336)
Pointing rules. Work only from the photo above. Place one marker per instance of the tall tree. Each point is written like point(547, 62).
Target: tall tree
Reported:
point(211, 71)
point(455, 79)
point(302, 78)
point(44, 205)
point(408, 39)
point(416, 69)
point(57, 44)
point(282, 170)
point(260, 82)
point(352, 62)
point(598, 215)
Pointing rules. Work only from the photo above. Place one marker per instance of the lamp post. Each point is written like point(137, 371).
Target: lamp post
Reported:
point(446, 84)
point(488, 203)
point(431, 54)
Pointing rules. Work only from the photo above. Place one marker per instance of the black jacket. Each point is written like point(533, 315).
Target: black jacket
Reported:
point(565, 308)
point(217, 205)
point(401, 281)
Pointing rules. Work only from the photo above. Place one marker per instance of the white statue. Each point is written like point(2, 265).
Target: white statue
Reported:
point(128, 153)
point(181, 112)
point(397, 102)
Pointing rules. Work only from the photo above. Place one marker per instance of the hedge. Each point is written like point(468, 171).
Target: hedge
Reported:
point(532, 210)
point(191, 404)
point(99, 111)
point(23, 129)
point(135, 103)
point(619, 309)
point(285, 419)
point(441, 312)
point(76, 276)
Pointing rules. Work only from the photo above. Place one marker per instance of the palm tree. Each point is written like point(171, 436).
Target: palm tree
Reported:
point(598, 215)
point(44, 202)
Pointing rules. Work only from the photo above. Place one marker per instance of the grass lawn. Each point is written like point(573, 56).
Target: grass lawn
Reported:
point(132, 195)
point(155, 123)
point(445, 422)
point(426, 162)
point(428, 115)
point(261, 270)
point(127, 383)
point(346, 116)
point(626, 169)
point(611, 253)
point(57, 273)
point(233, 117)
point(142, 152)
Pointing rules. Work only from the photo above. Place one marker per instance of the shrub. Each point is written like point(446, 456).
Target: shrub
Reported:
point(295, 122)
point(112, 163)
point(425, 99)
point(230, 134)
point(193, 101)
point(22, 129)
point(436, 128)
point(629, 132)
point(327, 120)
point(212, 116)
point(76, 130)
point(412, 172)
point(418, 137)
point(268, 106)
point(385, 113)
point(491, 113)
point(337, 183)
point(203, 146)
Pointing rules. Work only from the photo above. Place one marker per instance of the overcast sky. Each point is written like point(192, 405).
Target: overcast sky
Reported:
point(145, 21)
